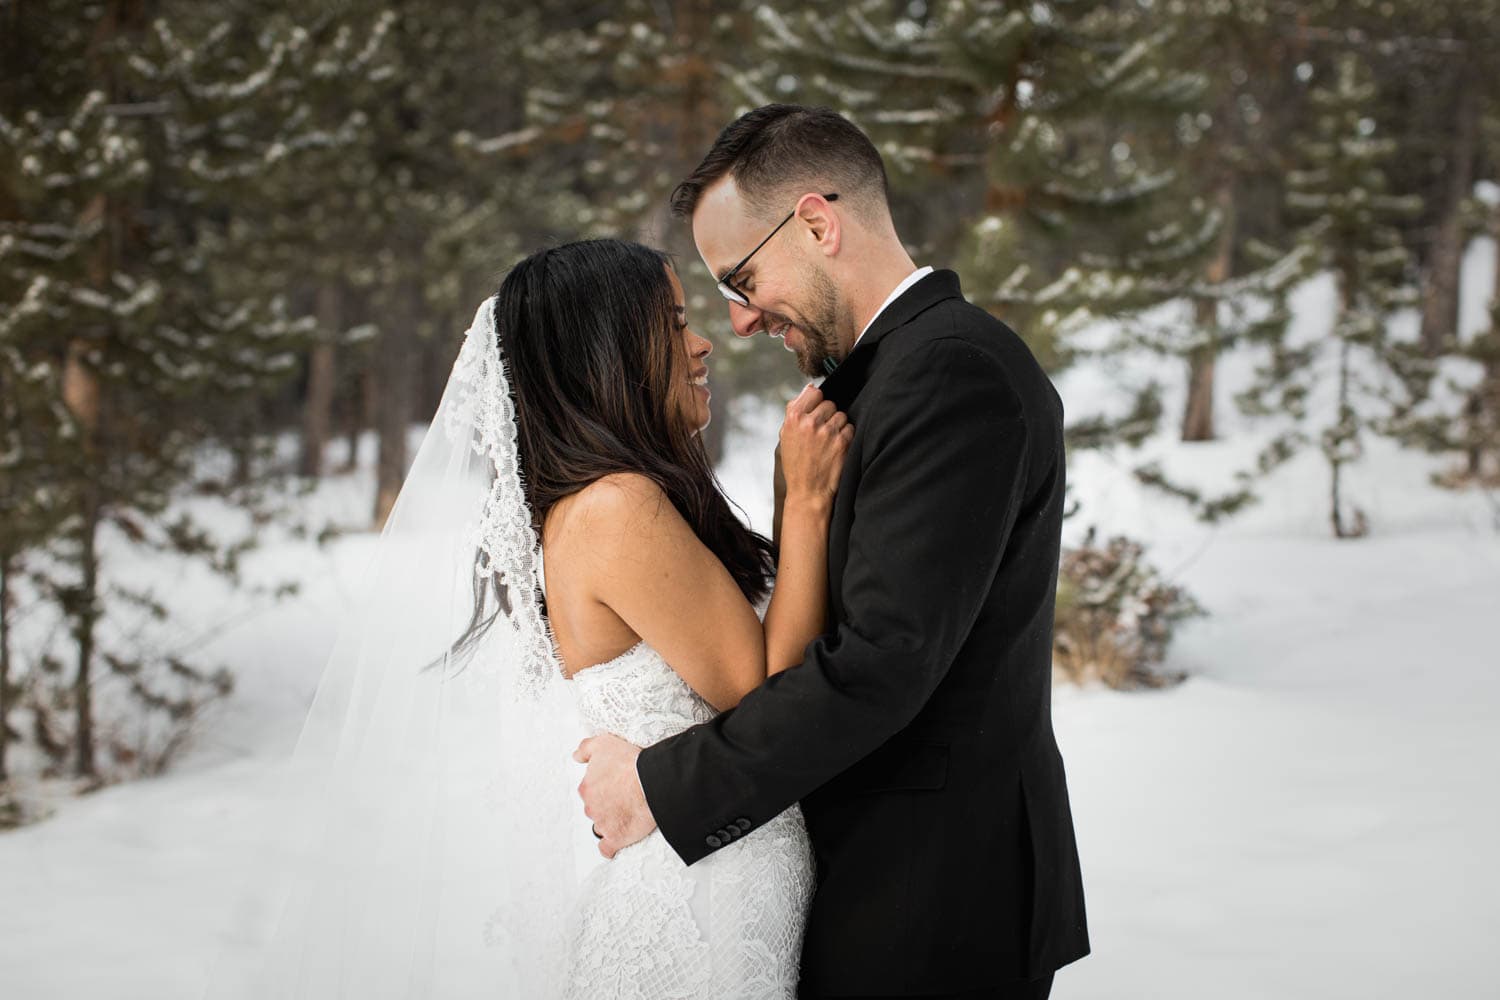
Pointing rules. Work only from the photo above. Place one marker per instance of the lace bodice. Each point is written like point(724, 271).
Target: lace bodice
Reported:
point(639, 697)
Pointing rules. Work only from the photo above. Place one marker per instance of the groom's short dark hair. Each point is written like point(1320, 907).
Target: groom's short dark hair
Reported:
point(780, 147)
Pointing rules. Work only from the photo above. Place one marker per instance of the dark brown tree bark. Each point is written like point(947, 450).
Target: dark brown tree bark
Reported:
point(317, 408)
point(1355, 526)
point(243, 445)
point(358, 408)
point(1198, 414)
point(7, 570)
point(86, 620)
point(1482, 408)
point(82, 394)
point(1440, 284)
point(393, 376)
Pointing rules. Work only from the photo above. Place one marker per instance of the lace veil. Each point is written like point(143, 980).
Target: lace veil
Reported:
point(426, 839)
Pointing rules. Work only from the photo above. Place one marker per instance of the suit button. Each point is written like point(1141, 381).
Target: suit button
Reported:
point(743, 824)
point(714, 841)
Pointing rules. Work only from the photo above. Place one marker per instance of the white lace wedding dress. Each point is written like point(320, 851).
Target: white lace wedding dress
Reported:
point(647, 926)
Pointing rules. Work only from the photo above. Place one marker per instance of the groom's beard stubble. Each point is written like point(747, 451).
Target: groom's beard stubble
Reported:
point(818, 326)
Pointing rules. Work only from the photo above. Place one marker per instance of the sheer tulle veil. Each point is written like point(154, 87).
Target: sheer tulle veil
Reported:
point(426, 840)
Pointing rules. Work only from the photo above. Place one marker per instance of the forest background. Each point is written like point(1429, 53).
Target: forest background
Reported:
point(240, 240)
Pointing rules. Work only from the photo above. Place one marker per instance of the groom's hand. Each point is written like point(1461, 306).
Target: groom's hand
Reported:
point(612, 794)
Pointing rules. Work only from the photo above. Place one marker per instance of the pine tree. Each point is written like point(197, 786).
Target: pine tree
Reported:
point(1375, 379)
point(396, 236)
point(1228, 147)
point(63, 155)
point(309, 119)
point(1476, 431)
point(1442, 58)
point(1480, 428)
point(127, 148)
point(1466, 418)
point(1076, 161)
point(621, 106)
point(1044, 125)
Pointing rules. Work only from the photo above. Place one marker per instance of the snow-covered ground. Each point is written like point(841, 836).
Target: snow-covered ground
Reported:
point(1304, 817)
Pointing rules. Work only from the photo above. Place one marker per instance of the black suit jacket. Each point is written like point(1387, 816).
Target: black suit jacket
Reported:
point(917, 732)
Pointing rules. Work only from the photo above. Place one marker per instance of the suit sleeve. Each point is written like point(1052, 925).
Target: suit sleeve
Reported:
point(942, 481)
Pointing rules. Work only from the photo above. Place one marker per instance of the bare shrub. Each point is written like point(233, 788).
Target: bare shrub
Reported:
point(1115, 616)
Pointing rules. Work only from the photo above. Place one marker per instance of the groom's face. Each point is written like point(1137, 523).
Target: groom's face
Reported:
point(791, 298)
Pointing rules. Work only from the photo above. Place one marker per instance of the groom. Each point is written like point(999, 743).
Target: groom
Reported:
point(917, 731)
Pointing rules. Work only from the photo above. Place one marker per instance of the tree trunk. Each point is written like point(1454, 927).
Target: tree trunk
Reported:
point(691, 119)
point(7, 568)
point(81, 395)
point(359, 408)
point(1198, 414)
point(1354, 527)
point(1482, 408)
point(86, 619)
point(317, 410)
point(1440, 288)
point(1336, 464)
point(393, 378)
point(243, 446)
point(1474, 417)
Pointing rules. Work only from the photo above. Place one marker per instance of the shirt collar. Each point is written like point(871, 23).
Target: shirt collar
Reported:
point(907, 282)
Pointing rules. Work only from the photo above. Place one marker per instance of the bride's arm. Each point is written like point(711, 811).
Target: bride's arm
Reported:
point(644, 563)
point(814, 440)
point(799, 605)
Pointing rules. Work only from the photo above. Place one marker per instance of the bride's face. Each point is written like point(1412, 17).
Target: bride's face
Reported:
point(690, 393)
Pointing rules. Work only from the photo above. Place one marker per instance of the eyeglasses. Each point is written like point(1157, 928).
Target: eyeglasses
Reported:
point(725, 285)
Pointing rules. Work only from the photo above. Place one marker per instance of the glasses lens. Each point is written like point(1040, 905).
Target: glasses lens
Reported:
point(732, 295)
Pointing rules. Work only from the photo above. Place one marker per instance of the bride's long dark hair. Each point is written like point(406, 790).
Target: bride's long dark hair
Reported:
point(588, 331)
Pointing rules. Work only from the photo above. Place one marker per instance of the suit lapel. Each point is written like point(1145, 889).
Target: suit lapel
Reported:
point(850, 376)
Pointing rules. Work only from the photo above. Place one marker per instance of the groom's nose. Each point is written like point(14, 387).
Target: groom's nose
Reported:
point(745, 320)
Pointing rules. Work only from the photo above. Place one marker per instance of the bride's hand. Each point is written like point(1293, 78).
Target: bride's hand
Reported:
point(814, 440)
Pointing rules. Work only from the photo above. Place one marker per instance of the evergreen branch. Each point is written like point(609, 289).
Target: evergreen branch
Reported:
point(773, 22)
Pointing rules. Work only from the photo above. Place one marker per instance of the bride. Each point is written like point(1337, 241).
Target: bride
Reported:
point(650, 584)
point(432, 848)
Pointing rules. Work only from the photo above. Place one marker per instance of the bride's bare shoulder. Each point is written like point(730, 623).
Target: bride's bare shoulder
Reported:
point(621, 493)
point(621, 504)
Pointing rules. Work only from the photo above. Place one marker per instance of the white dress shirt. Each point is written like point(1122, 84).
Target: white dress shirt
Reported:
point(907, 282)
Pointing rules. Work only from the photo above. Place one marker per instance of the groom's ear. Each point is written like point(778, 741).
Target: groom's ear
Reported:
point(823, 224)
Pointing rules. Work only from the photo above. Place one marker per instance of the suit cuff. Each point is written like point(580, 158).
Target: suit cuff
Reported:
point(691, 827)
